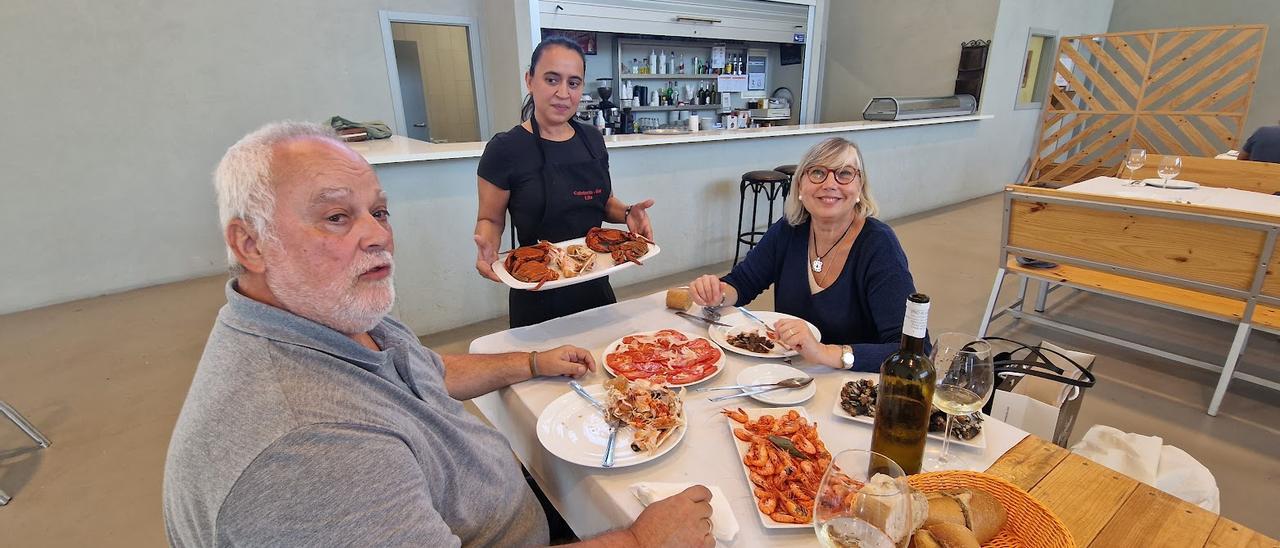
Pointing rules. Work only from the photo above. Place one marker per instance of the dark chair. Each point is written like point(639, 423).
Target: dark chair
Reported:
point(771, 184)
point(790, 171)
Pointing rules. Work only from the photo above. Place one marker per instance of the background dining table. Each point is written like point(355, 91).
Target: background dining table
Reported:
point(1225, 198)
point(1100, 507)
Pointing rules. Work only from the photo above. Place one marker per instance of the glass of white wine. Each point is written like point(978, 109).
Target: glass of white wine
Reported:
point(1170, 167)
point(864, 500)
point(1133, 162)
point(965, 379)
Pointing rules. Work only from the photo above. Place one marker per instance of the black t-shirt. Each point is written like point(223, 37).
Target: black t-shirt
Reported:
point(511, 162)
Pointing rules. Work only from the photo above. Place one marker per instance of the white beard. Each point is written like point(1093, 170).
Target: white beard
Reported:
point(345, 304)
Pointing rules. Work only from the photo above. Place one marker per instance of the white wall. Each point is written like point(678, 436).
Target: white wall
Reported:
point(503, 65)
point(1160, 14)
point(877, 48)
point(116, 113)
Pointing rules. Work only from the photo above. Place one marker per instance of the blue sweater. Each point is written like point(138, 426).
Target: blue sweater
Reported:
point(863, 308)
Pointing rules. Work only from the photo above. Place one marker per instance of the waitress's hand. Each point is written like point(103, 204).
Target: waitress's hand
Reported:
point(486, 254)
point(638, 220)
point(707, 290)
point(796, 335)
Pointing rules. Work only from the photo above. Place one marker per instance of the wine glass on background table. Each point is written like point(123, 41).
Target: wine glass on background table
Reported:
point(1170, 167)
point(1134, 161)
point(863, 500)
point(965, 379)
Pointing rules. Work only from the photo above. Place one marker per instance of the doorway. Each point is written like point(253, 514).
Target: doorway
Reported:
point(435, 78)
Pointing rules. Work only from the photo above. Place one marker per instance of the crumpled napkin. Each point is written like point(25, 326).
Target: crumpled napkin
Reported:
point(723, 525)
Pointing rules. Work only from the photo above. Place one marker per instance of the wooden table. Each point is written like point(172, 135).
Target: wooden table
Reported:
point(1103, 507)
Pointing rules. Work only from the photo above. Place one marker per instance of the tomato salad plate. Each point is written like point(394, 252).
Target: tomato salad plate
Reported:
point(666, 357)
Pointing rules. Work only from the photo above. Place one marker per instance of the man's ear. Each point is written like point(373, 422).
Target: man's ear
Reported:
point(246, 245)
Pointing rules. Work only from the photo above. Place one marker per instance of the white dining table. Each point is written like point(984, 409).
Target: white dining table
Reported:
point(1226, 198)
point(594, 500)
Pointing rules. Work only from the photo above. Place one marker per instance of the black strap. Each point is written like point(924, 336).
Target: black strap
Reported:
point(1005, 363)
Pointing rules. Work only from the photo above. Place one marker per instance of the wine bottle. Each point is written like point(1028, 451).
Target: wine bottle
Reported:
point(906, 392)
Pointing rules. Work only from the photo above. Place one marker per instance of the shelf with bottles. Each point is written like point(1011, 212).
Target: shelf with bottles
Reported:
point(670, 108)
point(668, 76)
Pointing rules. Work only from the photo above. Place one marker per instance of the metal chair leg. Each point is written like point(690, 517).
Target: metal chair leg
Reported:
point(1042, 296)
point(4, 498)
point(22, 423)
point(737, 237)
point(991, 302)
point(1022, 292)
point(1229, 368)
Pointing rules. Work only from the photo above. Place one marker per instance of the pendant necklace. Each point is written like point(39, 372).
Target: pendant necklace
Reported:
point(817, 262)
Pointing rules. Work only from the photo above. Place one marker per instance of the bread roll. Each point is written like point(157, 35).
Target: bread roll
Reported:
point(944, 509)
point(679, 298)
point(986, 515)
point(944, 535)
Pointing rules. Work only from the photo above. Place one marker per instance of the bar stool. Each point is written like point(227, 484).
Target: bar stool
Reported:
point(26, 426)
point(790, 171)
point(771, 184)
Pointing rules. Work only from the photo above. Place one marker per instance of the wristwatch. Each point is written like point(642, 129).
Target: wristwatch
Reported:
point(846, 356)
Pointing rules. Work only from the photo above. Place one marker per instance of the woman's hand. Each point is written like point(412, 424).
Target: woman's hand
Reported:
point(565, 361)
point(638, 219)
point(486, 254)
point(708, 290)
point(796, 334)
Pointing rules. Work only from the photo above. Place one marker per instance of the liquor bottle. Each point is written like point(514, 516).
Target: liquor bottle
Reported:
point(653, 61)
point(905, 394)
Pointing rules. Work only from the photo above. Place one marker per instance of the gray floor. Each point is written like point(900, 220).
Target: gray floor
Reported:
point(105, 378)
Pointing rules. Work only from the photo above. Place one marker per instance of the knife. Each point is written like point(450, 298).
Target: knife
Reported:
point(745, 393)
point(701, 319)
point(769, 329)
point(613, 423)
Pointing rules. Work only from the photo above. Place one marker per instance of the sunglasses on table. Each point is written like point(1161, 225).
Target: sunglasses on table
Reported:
point(845, 175)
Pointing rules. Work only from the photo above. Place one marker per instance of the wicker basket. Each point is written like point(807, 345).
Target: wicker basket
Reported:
point(1030, 524)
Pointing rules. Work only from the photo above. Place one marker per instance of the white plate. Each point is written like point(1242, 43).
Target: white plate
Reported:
point(979, 441)
point(1173, 183)
point(574, 430)
point(766, 373)
point(604, 266)
point(738, 322)
point(743, 447)
point(614, 345)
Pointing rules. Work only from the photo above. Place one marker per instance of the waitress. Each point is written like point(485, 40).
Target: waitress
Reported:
point(551, 173)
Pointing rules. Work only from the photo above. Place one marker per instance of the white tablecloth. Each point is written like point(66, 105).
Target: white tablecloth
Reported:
point(1227, 198)
point(595, 500)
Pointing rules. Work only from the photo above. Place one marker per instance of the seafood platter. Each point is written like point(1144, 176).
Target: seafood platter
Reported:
point(547, 265)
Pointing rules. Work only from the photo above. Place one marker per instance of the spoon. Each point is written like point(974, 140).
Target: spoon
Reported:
point(794, 382)
point(760, 390)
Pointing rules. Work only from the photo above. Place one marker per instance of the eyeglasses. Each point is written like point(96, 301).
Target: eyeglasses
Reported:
point(844, 176)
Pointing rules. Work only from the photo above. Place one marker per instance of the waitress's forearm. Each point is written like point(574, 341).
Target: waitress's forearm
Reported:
point(490, 230)
point(615, 211)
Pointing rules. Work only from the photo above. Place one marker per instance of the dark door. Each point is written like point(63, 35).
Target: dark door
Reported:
point(411, 95)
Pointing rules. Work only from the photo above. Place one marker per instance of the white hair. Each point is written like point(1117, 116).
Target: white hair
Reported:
point(243, 179)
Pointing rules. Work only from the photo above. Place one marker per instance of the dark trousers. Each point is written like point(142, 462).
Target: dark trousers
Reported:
point(531, 307)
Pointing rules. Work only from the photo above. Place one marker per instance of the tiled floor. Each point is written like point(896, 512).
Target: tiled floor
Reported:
point(105, 378)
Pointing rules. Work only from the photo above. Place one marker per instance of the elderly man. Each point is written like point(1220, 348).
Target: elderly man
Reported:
point(316, 419)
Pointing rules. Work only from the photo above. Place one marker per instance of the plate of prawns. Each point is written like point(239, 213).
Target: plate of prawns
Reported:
point(783, 460)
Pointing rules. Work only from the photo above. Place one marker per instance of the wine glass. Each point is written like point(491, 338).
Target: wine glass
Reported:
point(1135, 160)
point(965, 379)
point(1170, 167)
point(864, 500)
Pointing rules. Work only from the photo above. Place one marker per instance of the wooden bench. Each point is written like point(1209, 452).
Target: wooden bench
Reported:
point(1238, 174)
point(1200, 260)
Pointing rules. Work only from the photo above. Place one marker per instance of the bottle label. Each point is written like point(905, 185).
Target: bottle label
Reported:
point(917, 319)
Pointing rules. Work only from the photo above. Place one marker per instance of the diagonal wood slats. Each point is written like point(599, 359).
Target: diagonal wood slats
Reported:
point(1169, 91)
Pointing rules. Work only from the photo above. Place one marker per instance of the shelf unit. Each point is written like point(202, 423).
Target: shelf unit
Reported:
point(668, 76)
point(672, 108)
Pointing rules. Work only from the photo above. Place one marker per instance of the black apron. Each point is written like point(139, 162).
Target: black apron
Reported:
point(574, 197)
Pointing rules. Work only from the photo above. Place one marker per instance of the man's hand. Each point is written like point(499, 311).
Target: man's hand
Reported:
point(486, 254)
point(565, 361)
point(638, 220)
point(681, 520)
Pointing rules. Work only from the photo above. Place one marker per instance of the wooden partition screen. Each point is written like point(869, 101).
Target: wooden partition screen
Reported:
point(1172, 91)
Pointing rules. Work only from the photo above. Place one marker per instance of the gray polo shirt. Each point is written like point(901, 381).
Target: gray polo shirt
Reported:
point(295, 435)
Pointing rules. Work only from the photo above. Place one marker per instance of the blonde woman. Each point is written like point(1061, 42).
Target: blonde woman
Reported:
point(830, 261)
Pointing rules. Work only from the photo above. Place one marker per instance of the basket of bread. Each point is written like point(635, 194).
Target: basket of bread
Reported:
point(971, 509)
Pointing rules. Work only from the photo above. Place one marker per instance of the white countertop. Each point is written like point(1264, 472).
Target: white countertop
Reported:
point(398, 149)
